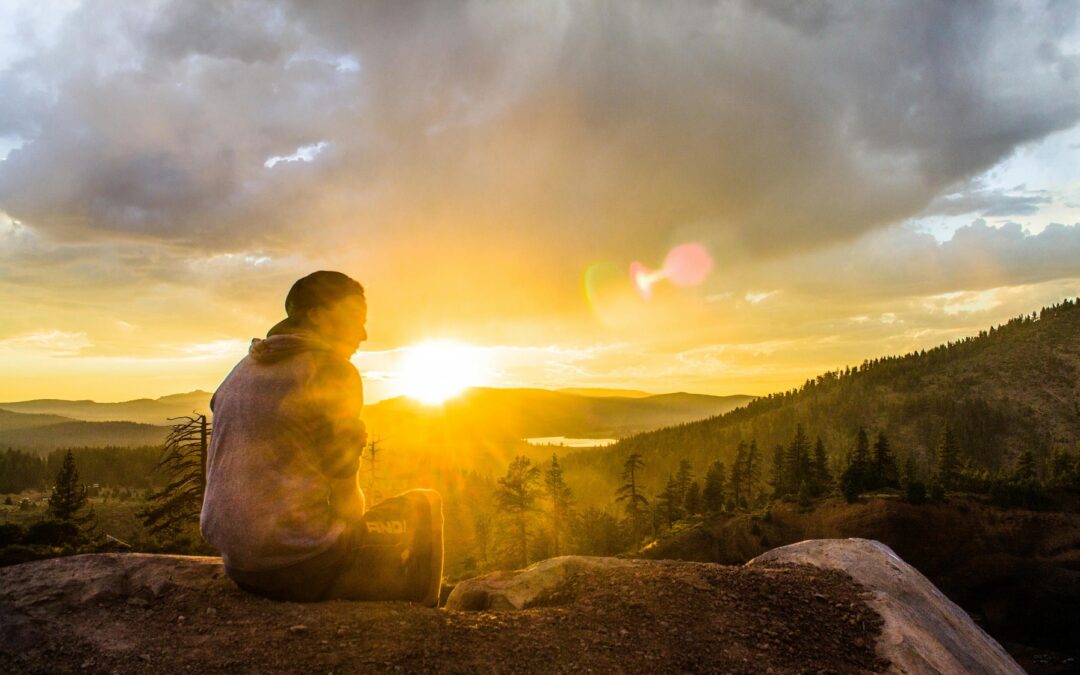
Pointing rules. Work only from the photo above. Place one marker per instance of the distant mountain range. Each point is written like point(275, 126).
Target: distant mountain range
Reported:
point(480, 415)
point(142, 410)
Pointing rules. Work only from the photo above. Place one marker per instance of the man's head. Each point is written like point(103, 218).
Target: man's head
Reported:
point(329, 304)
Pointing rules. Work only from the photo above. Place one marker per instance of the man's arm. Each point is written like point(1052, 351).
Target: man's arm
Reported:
point(337, 398)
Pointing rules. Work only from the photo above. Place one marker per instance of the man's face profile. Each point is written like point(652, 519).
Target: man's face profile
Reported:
point(342, 321)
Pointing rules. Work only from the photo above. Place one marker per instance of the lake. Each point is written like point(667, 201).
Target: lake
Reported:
point(571, 442)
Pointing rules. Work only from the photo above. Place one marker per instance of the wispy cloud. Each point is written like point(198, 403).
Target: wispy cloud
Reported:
point(50, 343)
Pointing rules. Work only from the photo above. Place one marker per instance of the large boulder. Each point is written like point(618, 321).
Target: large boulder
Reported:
point(539, 584)
point(924, 631)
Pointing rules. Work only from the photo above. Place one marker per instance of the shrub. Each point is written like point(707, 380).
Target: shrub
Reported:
point(915, 492)
point(10, 533)
point(51, 533)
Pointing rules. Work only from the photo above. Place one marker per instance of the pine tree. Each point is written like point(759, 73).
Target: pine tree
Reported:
point(1025, 468)
point(737, 481)
point(822, 478)
point(69, 495)
point(631, 493)
point(854, 480)
point(692, 503)
point(668, 502)
point(948, 459)
point(683, 479)
point(885, 473)
point(797, 464)
point(779, 472)
point(713, 495)
point(559, 494)
point(516, 495)
point(68, 499)
point(751, 471)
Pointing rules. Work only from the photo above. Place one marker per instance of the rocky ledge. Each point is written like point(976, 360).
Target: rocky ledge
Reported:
point(828, 606)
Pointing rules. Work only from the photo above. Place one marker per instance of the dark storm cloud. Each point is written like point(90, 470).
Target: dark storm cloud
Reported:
point(605, 126)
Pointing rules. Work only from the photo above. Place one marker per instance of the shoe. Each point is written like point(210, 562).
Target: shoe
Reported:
point(398, 551)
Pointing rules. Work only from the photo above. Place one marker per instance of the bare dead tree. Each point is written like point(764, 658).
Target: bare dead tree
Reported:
point(178, 504)
point(373, 451)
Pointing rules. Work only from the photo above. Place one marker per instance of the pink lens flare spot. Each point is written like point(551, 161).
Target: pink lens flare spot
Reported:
point(642, 279)
point(687, 265)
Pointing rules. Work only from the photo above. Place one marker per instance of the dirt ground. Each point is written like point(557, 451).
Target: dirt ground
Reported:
point(665, 617)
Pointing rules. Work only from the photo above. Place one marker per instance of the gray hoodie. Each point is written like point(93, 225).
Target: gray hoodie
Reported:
point(286, 422)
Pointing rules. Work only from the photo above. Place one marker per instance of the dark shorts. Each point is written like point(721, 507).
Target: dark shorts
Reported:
point(390, 554)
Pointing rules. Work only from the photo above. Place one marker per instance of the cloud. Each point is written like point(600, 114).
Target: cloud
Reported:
point(902, 262)
point(991, 203)
point(772, 126)
point(171, 167)
point(50, 343)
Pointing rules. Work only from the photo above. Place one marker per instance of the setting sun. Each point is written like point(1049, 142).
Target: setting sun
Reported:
point(433, 371)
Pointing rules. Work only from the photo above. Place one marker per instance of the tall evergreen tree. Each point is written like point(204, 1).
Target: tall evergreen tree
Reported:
point(630, 492)
point(797, 464)
point(885, 473)
point(516, 495)
point(751, 472)
point(69, 499)
point(736, 484)
point(779, 473)
point(822, 477)
point(668, 502)
point(854, 480)
point(68, 496)
point(948, 459)
point(559, 494)
point(712, 496)
point(683, 479)
point(692, 503)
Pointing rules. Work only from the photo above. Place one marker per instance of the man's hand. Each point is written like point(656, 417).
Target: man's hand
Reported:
point(347, 498)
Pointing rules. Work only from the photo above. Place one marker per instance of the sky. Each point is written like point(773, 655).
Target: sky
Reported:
point(862, 179)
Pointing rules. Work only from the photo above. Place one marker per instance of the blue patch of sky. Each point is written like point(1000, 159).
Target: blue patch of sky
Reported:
point(1044, 175)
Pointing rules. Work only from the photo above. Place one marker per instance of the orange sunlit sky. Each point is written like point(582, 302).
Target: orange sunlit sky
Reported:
point(828, 182)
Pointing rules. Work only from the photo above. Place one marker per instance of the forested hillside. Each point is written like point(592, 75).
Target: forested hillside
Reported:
point(1010, 389)
point(77, 434)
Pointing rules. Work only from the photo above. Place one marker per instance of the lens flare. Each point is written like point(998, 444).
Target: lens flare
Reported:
point(688, 265)
point(684, 265)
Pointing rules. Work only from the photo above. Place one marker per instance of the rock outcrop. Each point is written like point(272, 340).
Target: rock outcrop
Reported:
point(924, 631)
point(1017, 572)
point(119, 613)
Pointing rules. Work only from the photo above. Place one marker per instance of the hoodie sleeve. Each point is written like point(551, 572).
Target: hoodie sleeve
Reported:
point(339, 435)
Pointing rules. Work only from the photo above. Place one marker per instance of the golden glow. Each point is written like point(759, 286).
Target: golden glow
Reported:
point(434, 371)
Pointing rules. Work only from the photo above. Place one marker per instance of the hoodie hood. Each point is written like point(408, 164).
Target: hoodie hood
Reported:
point(283, 345)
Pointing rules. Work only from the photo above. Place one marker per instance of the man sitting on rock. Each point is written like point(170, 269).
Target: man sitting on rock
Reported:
point(282, 501)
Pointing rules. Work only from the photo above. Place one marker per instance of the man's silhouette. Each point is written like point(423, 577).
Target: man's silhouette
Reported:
point(282, 500)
